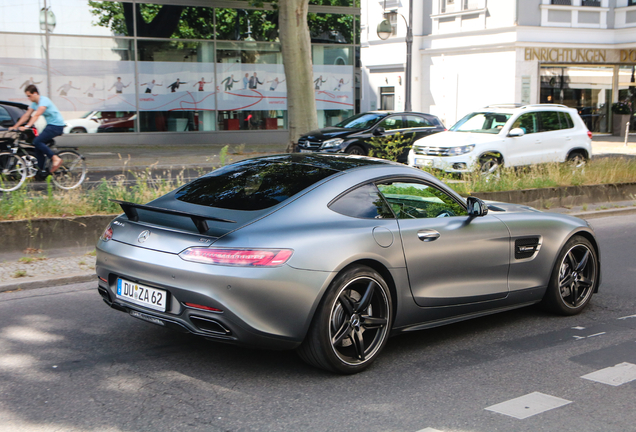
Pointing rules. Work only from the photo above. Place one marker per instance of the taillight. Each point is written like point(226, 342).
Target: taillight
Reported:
point(238, 257)
point(108, 234)
point(205, 308)
point(35, 131)
point(589, 134)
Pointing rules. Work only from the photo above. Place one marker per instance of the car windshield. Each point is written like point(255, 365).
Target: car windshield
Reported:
point(361, 121)
point(253, 185)
point(85, 115)
point(481, 122)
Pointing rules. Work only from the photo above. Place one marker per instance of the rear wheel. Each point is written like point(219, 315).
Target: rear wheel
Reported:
point(356, 150)
point(78, 130)
point(72, 172)
point(577, 159)
point(574, 278)
point(12, 172)
point(352, 323)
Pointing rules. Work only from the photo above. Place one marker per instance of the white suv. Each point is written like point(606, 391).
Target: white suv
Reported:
point(506, 135)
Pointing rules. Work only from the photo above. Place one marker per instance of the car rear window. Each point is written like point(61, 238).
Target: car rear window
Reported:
point(254, 185)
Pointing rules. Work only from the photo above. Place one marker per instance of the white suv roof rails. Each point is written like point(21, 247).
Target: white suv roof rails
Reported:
point(505, 105)
point(545, 105)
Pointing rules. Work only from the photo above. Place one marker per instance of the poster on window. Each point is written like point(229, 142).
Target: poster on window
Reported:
point(17, 73)
point(175, 86)
point(257, 87)
point(333, 87)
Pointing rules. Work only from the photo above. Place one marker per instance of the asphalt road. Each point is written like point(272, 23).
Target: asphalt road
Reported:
point(70, 363)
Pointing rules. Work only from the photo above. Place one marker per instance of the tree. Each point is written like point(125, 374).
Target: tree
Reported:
point(296, 47)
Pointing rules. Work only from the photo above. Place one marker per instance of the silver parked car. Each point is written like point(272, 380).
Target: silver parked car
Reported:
point(331, 255)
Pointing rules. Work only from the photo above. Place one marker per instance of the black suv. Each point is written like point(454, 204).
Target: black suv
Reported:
point(352, 135)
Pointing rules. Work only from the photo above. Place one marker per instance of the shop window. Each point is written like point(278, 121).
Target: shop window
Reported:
point(252, 120)
point(562, 2)
point(173, 121)
point(330, 28)
point(246, 25)
point(387, 98)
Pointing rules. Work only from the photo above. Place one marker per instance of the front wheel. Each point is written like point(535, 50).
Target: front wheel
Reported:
point(356, 150)
point(574, 278)
point(13, 172)
point(72, 172)
point(352, 323)
point(489, 165)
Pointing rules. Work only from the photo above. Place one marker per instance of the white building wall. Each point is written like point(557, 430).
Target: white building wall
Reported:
point(458, 85)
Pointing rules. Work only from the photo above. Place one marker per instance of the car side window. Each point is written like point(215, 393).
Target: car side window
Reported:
point(391, 123)
point(566, 120)
point(527, 122)
point(412, 200)
point(417, 122)
point(549, 121)
point(4, 115)
point(363, 202)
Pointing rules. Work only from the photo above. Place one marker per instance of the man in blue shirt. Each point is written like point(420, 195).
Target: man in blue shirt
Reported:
point(42, 106)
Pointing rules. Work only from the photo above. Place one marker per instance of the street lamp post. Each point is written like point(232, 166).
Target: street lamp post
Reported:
point(384, 31)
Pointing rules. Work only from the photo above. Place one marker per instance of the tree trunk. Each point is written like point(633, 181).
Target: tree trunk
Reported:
point(296, 48)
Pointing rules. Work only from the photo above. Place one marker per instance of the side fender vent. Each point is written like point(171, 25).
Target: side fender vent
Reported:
point(526, 247)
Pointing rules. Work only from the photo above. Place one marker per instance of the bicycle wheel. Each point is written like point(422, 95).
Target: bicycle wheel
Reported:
point(72, 172)
point(12, 172)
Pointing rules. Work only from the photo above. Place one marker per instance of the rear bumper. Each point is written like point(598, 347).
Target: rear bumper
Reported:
point(261, 307)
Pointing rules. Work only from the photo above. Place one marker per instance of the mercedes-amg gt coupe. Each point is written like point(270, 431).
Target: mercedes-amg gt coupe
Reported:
point(330, 255)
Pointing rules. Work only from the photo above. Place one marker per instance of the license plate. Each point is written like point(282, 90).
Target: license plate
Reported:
point(305, 151)
point(424, 162)
point(142, 295)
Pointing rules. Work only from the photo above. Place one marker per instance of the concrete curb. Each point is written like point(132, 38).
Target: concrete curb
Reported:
point(45, 282)
point(604, 213)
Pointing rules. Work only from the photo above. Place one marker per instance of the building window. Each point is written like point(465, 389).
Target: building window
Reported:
point(631, 3)
point(387, 98)
point(562, 2)
point(594, 3)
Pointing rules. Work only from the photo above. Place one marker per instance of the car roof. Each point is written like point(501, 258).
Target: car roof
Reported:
point(513, 108)
point(15, 104)
point(324, 160)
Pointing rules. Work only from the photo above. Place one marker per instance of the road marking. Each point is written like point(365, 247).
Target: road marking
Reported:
point(428, 429)
point(528, 405)
point(578, 328)
point(626, 317)
point(585, 337)
point(616, 375)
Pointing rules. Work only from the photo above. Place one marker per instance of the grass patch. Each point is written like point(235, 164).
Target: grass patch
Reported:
point(598, 171)
point(19, 274)
point(29, 260)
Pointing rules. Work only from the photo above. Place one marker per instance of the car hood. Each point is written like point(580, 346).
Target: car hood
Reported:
point(327, 133)
point(453, 139)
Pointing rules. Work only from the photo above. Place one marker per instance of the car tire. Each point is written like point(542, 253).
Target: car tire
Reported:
point(78, 130)
point(577, 159)
point(356, 150)
point(489, 165)
point(352, 323)
point(574, 278)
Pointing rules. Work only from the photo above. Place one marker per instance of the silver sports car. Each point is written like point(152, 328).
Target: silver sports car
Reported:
point(331, 255)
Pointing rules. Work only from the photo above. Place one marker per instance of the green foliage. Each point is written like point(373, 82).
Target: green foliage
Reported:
point(391, 146)
point(223, 155)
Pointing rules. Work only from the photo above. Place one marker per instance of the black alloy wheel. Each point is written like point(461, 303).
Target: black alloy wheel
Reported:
point(574, 278)
point(352, 324)
point(489, 165)
point(577, 159)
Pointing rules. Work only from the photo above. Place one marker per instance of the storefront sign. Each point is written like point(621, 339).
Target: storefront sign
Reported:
point(567, 55)
point(628, 55)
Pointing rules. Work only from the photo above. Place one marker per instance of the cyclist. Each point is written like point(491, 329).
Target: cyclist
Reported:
point(42, 105)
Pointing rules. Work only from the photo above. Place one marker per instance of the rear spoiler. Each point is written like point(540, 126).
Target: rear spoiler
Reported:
point(200, 221)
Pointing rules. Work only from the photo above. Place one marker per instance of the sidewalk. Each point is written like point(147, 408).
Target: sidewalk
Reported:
point(36, 269)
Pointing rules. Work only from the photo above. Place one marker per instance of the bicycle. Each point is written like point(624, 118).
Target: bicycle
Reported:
point(18, 162)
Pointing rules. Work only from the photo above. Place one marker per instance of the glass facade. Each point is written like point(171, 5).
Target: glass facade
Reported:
point(191, 67)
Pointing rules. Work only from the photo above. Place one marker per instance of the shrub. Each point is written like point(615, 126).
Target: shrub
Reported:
point(390, 147)
point(621, 108)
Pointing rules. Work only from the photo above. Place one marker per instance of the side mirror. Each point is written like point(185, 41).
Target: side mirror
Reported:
point(476, 207)
point(379, 131)
point(516, 132)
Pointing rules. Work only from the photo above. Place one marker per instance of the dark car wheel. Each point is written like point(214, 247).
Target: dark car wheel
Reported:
point(352, 323)
point(78, 130)
point(356, 150)
point(574, 278)
point(489, 165)
point(577, 159)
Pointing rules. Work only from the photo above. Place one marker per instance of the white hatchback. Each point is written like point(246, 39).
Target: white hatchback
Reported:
point(506, 135)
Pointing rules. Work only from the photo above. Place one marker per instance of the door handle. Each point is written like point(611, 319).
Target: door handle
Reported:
point(427, 235)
